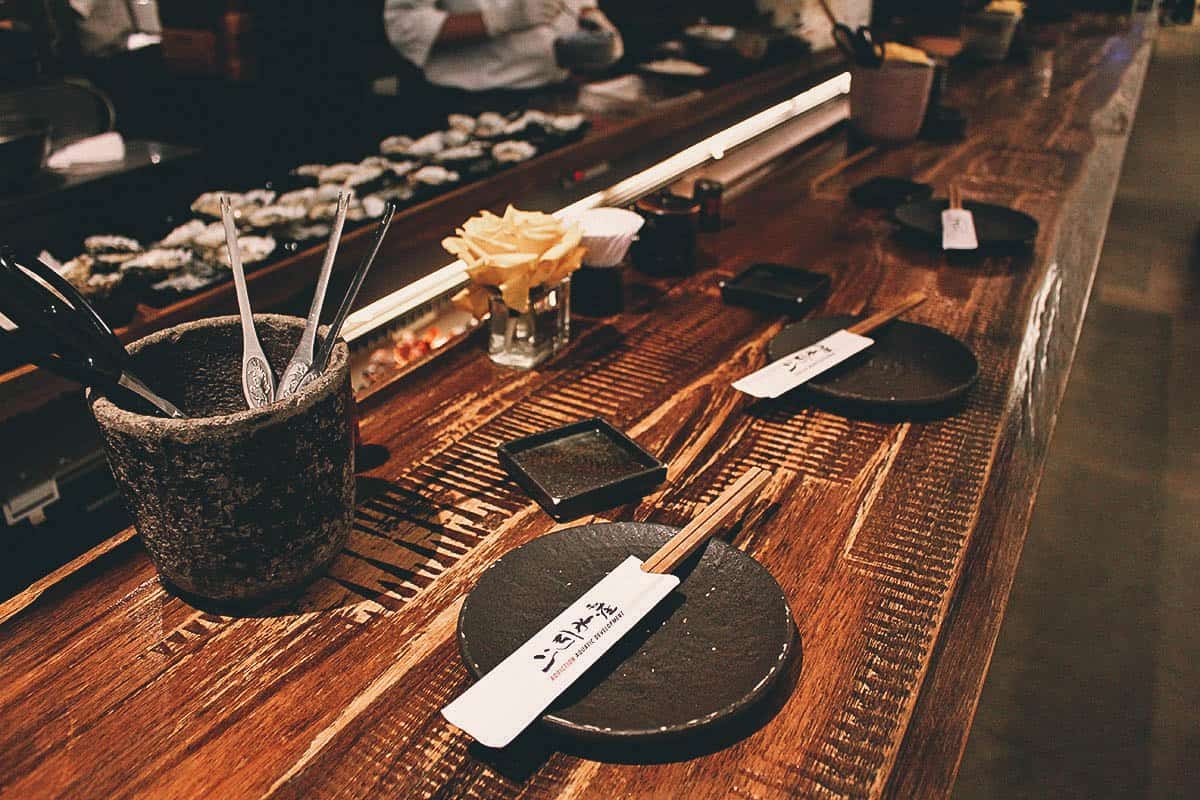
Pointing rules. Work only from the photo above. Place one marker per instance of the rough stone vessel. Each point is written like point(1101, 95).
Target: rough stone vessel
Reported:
point(234, 504)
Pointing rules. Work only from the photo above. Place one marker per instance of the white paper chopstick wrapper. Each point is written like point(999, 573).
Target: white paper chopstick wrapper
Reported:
point(806, 363)
point(99, 149)
point(958, 230)
point(510, 697)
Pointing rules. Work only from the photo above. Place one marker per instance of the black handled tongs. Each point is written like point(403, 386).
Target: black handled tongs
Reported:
point(321, 362)
point(63, 333)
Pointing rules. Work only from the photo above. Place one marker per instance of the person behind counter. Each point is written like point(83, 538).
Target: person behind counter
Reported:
point(480, 45)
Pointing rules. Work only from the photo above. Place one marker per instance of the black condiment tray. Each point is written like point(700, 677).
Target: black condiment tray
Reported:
point(889, 192)
point(581, 468)
point(776, 289)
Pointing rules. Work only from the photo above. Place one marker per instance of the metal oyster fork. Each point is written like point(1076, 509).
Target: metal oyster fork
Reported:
point(258, 382)
point(302, 360)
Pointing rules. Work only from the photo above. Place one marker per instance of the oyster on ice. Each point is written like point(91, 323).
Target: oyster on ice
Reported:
point(395, 145)
point(253, 249)
point(513, 151)
point(184, 235)
point(278, 214)
point(434, 175)
point(154, 265)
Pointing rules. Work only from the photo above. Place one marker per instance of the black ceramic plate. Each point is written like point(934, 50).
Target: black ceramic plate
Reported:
point(581, 468)
point(995, 226)
point(712, 649)
point(909, 366)
point(887, 192)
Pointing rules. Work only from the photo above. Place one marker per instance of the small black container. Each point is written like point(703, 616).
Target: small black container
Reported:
point(888, 192)
point(598, 291)
point(581, 468)
point(666, 245)
point(708, 194)
point(776, 289)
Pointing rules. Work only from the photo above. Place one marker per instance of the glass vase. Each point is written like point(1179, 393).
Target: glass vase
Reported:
point(522, 340)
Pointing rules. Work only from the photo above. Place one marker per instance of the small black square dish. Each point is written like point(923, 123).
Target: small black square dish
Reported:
point(884, 191)
point(776, 288)
point(581, 468)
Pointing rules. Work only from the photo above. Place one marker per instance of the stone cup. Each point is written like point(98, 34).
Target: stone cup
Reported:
point(888, 102)
point(233, 504)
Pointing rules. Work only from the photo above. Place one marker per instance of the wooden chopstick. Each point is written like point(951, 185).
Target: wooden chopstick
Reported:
point(833, 20)
point(707, 522)
point(955, 196)
point(682, 538)
point(872, 322)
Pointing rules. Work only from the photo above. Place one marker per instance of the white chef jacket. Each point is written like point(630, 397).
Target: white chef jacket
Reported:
point(515, 60)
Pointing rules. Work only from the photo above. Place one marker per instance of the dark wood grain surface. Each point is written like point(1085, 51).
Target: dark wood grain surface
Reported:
point(895, 542)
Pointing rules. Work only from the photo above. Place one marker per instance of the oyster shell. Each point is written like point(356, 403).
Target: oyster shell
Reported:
point(567, 123)
point(363, 176)
point(326, 210)
point(184, 235)
point(513, 151)
point(108, 262)
point(298, 197)
point(434, 175)
point(336, 173)
point(303, 231)
point(461, 122)
point(328, 193)
point(376, 161)
point(395, 145)
point(156, 264)
point(490, 124)
point(78, 269)
point(373, 205)
point(517, 126)
point(209, 203)
point(103, 244)
point(212, 237)
point(400, 193)
point(255, 197)
point(183, 283)
point(467, 152)
point(428, 145)
point(455, 138)
point(401, 168)
point(253, 249)
point(278, 214)
point(101, 286)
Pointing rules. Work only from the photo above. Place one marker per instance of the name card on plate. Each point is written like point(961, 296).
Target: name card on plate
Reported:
point(958, 230)
point(806, 363)
point(510, 697)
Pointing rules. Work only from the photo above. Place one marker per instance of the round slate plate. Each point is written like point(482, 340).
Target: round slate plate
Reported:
point(888, 192)
point(909, 366)
point(995, 226)
point(713, 648)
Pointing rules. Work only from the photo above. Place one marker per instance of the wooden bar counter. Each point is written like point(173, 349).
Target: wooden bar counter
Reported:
point(895, 542)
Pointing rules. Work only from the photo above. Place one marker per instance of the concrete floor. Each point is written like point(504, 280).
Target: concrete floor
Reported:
point(1094, 689)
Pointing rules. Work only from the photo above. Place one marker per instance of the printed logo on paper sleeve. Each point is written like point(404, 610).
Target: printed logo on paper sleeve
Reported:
point(507, 699)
